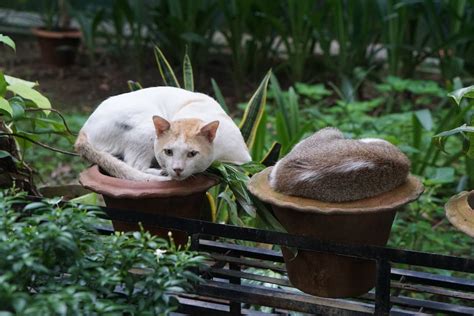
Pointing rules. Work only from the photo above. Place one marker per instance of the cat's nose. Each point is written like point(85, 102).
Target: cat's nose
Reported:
point(178, 171)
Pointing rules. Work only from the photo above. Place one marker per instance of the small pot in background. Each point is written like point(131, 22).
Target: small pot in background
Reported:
point(58, 48)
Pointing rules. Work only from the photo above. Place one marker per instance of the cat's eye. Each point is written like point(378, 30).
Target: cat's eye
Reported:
point(168, 152)
point(192, 153)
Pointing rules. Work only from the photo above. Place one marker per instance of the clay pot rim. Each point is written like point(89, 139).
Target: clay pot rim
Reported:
point(460, 213)
point(407, 192)
point(96, 181)
point(70, 33)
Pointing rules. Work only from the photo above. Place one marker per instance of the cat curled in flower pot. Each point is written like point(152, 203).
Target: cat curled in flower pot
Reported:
point(182, 131)
point(330, 168)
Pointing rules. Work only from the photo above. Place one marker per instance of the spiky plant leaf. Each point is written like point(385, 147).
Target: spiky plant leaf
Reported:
point(272, 156)
point(134, 85)
point(254, 111)
point(167, 73)
point(219, 96)
point(188, 78)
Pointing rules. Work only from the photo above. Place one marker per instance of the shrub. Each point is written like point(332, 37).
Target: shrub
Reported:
point(54, 262)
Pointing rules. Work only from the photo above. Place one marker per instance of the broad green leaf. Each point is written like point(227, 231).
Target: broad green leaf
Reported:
point(254, 111)
point(219, 96)
point(167, 73)
point(134, 85)
point(442, 175)
point(188, 74)
point(4, 105)
point(457, 95)
point(31, 94)
point(13, 80)
point(4, 154)
point(425, 119)
point(7, 41)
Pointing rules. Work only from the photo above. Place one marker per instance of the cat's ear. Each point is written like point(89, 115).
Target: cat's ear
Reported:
point(209, 130)
point(161, 125)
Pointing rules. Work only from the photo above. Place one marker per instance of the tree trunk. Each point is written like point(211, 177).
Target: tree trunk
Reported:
point(14, 173)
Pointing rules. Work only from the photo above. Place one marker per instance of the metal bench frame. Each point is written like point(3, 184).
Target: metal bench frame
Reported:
point(223, 291)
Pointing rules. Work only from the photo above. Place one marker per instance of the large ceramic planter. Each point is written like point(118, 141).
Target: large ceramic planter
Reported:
point(170, 198)
point(460, 212)
point(363, 222)
point(58, 48)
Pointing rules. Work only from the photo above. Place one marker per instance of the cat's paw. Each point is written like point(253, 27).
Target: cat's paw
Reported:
point(154, 171)
point(152, 177)
point(164, 173)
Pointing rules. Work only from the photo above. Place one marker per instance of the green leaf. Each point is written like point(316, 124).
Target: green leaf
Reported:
point(88, 199)
point(167, 73)
point(457, 95)
point(28, 93)
point(188, 74)
point(4, 105)
point(7, 41)
point(4, 154)
point(3, 85)
point(219, 96)
point(457, 130)
point(425, 119)
point(134, 85)
point(13, 80)
point(254, 111)
point(272, 156)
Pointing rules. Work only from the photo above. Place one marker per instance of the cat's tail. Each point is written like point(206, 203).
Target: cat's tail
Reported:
point(110, 164)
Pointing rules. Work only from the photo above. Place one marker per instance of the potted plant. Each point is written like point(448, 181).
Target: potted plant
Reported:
point(58, 41)
point(171, 198)
point(365, 222)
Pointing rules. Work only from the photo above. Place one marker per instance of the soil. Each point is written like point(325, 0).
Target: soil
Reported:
point(82, 86)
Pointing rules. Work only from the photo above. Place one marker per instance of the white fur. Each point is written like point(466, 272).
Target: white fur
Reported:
point(373, 140)
point(136, 109)
point(345, 167)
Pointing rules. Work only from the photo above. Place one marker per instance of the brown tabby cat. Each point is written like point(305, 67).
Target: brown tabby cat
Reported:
point(330, 168)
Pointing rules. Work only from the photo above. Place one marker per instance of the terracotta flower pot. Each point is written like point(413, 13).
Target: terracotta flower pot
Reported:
point(365, 222)
point(170, 198)
point(58, 48)
point(460, 212)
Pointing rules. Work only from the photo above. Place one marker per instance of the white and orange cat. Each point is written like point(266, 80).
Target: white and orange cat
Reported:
point(183, 131)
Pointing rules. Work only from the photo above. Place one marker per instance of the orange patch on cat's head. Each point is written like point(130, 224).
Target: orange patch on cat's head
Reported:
point(194, 132)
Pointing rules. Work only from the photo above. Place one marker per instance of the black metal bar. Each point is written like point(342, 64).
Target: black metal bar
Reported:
point(434, 279)
point(283, 299)
point(382, 288)
point(235, 305)
point(194, 242)
point(306, 243)
point(427, 305)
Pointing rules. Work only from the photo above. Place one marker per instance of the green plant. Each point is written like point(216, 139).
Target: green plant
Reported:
point(24, 115)
point(295, 26)
point(55, 14)
point(178, 25)
point(54, 262)
point(465, 131)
